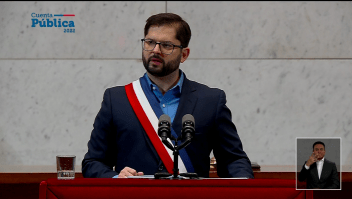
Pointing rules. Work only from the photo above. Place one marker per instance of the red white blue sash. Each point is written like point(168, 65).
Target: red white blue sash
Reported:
point(149, 121)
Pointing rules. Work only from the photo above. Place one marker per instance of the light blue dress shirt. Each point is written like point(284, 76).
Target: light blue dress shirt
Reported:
point(170, 100)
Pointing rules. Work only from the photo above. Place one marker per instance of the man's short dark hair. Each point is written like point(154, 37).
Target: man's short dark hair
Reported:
point(318, 142)
point(183, 31)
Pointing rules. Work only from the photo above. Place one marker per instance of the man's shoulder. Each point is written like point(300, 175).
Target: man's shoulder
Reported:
point(202, 87)
point(116, 88)
point(329, 162)
point(115, 91)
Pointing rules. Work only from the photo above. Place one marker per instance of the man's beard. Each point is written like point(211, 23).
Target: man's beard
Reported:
point(166, 69)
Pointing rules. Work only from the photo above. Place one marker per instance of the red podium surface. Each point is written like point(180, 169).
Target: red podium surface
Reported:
point(166, 188)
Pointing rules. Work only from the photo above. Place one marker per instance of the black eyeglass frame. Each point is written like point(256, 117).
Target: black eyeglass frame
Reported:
point(160, 46)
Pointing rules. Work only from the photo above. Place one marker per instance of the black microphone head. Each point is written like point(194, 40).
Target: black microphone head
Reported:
point(188, 129)
point(164, 127)
point(164, 117)
point(188, 117)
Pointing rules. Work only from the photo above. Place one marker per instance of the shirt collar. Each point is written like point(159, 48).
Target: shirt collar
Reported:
point(178, 85)
point(321, 161)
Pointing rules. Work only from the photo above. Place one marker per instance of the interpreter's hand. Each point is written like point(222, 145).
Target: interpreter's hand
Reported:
point(312, 159)
point(127, 171)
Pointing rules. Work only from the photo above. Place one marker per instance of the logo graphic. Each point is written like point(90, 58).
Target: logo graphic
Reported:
point(54, 20)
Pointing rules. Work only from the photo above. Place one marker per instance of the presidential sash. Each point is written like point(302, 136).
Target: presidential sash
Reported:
point(149, 120)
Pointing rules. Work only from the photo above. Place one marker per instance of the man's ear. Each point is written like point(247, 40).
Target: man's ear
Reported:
point(185, 54)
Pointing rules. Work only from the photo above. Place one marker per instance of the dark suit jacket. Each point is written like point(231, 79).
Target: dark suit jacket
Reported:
point(329, 178)
point(118, 139)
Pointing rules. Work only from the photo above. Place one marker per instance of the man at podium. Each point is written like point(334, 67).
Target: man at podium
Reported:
point(125, 129)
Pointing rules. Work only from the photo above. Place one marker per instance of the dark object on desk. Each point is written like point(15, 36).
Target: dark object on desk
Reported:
point(167, 175)
point(213, 168)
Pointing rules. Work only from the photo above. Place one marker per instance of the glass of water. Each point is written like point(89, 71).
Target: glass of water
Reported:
point(65, 167)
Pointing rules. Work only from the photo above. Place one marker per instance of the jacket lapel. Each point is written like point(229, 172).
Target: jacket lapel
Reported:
point(324, 170)
point(315, 171)
point(187, 103)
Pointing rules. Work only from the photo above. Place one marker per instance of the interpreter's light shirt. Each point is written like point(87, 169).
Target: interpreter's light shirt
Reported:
point(320, 164)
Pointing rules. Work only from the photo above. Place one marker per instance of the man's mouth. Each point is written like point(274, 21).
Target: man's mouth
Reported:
point(156, 61)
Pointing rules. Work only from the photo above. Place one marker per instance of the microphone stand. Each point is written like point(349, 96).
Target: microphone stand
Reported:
point(176, 153)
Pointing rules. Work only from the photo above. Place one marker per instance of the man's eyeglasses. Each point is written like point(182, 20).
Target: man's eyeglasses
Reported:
point(165, 47)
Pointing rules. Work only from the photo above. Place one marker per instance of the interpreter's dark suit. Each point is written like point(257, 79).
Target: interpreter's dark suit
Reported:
point(118, 139)
point(329, 178)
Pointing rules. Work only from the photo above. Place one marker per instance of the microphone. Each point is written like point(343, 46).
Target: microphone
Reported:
point(164, 130)
point(164, 127)
point(188, 126)
point(188, 129)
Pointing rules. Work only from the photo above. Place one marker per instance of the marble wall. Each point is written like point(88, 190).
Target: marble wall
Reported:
point(286, 68)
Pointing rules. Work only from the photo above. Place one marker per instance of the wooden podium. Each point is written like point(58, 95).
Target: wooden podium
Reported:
point(168, 188)
point(23, 181)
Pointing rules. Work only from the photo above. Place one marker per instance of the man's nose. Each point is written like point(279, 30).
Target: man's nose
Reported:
point(157, 49)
